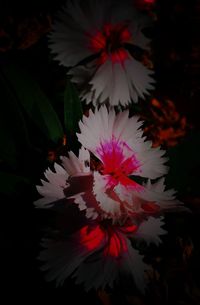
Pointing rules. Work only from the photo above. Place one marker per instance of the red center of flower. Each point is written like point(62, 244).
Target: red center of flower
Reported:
point(110, 238)
point(118, 161)
point(91, 238)
point(110, 42)
point(117, 242)
point(117, 245)
point(150, 1)
point(144, 4)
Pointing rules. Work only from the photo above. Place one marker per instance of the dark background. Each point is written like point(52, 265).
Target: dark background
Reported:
point(176, 56)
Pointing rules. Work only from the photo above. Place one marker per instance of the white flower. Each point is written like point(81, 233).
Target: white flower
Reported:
point(123, 154)
point(97, 255)
point(109, 191)
point(117, 141)
point(57, 184)
point(101, 34)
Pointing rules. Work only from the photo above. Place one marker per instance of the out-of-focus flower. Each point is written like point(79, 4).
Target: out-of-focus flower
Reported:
point(187, 247)
point(164, 124)
point(100, 253)
point(96, 40)
point(144, 4)
point(22, 33)
point(31, 30)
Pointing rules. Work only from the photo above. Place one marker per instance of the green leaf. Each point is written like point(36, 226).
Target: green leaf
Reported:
point(10, 183)
point(34, 101)
point(72, 108)
point(13, 131)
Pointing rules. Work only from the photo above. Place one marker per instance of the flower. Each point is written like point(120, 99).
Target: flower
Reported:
point(108, 187)
point(95, 40)
point(118, 142)
point(122, 155)
point(100, 253)
point(145, 4)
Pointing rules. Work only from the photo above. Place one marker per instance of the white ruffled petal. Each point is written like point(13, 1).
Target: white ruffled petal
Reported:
point(150, 230)
point(75, 165)
point(108, 205)
point(119, 83)
point(133, 261)
point(52, 189)
point(65, 182)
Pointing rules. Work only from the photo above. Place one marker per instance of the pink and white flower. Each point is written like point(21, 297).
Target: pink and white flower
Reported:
point(100, 253)
point(110, 189)
point(118, 142)
point(101, 34)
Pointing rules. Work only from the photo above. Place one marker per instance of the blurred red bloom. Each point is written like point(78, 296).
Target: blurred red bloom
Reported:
point(164, 124)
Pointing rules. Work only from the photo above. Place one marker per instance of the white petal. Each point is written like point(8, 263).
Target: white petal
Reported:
point(107, 204)
point(150, 230)
point(138, 77)
point(75, 165)
point(133, 263)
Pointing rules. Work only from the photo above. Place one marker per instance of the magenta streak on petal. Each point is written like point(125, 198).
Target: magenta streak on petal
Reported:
point(118, 161)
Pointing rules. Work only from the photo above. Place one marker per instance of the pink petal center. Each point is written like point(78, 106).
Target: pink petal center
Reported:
point(118, 161)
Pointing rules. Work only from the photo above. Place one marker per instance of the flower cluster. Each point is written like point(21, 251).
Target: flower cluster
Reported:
point(117, 180)
point(103, 182)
